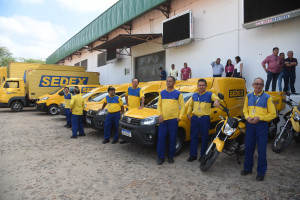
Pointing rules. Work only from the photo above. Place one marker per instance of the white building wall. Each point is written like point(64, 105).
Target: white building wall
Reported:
point(218, 32)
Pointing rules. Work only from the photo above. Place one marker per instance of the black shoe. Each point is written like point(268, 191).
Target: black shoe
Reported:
point(105, 141)
point(74, 136)
point(66, 125)
point(81, 134)
point(160, 161)
point(114, 141)
point(200, 159)
point(191, 158)
point(123, 142)
point(260, 177)
point(171, 160)
point(69, 126)
point(245, 173)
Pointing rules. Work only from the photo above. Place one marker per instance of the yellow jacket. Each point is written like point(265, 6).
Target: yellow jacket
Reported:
point(168, 104)
point(77, 104)
point(259, 106)
point(200, 104)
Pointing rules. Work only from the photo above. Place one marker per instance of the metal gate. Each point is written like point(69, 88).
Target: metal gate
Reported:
point(147, 67)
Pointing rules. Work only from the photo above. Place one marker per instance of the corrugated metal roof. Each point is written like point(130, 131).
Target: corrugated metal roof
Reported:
point(117, 15)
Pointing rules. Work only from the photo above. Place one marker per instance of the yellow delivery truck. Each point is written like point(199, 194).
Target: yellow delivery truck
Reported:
point(19, 92)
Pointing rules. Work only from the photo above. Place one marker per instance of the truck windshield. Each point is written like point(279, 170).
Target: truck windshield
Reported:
point(99, 97)
point(56, 90)
point(154, 102)
point(86, 94)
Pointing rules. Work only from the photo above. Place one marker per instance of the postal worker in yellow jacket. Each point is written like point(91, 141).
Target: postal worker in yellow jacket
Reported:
point(200, 106)
point(68, 113)
point(135, 95)
point(168, 116)
point(258, 111)
point(114, 107)
point(77, 106)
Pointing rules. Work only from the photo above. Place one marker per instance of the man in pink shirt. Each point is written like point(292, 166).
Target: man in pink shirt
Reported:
point(273, 70)
point(186, 72)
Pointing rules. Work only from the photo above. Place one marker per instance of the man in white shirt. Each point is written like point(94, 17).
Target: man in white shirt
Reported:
point(173, 72)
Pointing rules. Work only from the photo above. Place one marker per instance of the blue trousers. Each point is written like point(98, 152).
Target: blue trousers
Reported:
point(111, 121)
point(167, 127)
point(68, 116)
point(289, 81)
point(199, 125)
point(77, 125)
point(256, 134)
point(271, 77)
point(280, 77)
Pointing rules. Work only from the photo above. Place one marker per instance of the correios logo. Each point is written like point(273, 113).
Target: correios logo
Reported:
point(59, 81)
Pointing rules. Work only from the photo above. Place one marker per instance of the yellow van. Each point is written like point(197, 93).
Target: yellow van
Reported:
point(49, 102)
point(96, 118)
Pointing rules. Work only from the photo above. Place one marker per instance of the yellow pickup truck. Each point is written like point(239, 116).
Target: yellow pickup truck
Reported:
point(141, 126)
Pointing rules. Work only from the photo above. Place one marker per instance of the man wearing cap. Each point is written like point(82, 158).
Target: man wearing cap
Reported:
point(258, 110)
point(68, 113)
point(168, 116)
point(114, 106)
point(77, 106)
point(200, 106)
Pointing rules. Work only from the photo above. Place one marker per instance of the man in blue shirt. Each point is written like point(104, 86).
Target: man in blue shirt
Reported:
point(163, 74)
point(217, 68)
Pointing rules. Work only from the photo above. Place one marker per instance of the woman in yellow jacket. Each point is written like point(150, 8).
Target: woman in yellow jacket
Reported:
point(77, 106)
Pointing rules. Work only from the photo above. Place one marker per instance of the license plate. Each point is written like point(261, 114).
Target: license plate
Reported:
point(126, 133)
point(88, 120)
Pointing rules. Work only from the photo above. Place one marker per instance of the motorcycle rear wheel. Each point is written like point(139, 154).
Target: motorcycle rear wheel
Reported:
point(280, 144)
point(209, 158)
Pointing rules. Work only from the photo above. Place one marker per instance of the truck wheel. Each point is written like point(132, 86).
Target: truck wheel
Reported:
point(16, 106)
point(179, 142)
point(53, 110)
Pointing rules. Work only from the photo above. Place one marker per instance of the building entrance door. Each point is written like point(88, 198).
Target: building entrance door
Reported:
point(147, 67)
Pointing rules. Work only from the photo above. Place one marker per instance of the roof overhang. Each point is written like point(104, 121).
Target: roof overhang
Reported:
point(124, 41)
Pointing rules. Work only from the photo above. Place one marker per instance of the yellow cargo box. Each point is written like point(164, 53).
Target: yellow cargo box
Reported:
point(17, 69)
point(40, 82)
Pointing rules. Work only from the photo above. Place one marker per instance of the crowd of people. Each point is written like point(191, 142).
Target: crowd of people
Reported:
point(276, 66)
point(258, 109)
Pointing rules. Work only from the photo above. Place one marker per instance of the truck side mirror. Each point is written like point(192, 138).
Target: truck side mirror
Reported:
point(61, 93)
point(221, 96)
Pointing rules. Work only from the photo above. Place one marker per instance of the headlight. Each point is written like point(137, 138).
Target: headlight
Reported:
point(228, 130)
point(44, 98)
point(297, 117)
point(150, 120)
point(102, 112)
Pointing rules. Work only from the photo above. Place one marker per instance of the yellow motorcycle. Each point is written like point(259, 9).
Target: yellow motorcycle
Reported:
point(229, 138)
point(290, 129)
